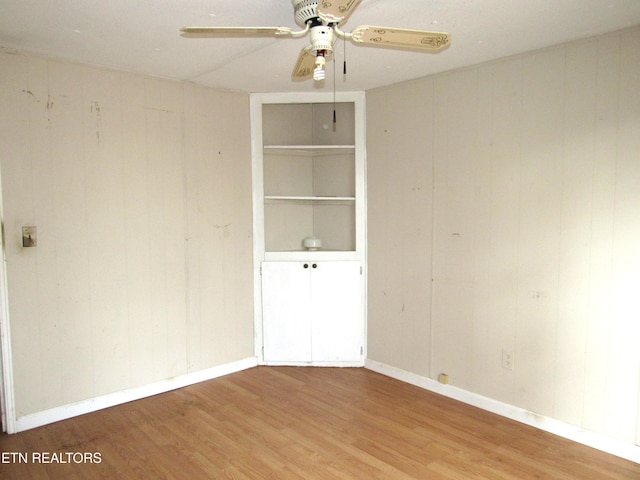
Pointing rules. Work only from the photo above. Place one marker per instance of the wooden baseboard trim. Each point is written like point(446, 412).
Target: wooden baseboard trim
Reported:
point(105, 401)
point(586, 437)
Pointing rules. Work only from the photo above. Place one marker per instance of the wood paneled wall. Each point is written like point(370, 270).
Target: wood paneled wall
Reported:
point(504, 216)
point(141, 192)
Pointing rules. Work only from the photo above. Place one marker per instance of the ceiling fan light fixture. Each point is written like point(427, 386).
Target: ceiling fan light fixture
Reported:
point(322, 40)
point(319, 72)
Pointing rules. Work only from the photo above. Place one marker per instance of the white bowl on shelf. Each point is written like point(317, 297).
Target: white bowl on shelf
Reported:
point(312, 243)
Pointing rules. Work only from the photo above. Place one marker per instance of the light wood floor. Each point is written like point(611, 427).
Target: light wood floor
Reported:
point(305, 423)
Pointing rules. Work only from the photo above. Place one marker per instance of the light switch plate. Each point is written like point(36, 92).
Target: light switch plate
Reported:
point(29, 236)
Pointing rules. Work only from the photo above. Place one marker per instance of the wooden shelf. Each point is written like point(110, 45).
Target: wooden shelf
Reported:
point(309, 150)
point(307, 199)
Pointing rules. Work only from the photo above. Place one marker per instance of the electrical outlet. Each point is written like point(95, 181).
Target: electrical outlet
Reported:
point(507, 359)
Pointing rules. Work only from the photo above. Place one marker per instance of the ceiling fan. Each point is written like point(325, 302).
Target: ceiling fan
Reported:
point(321, 19)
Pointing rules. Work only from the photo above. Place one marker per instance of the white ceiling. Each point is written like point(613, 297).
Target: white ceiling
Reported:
point(143, 36)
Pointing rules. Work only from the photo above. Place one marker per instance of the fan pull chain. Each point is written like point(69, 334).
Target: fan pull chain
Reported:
point(334, 93)
point(344, 56)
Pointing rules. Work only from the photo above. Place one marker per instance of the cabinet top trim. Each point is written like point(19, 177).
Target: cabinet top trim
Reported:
point(307, 97)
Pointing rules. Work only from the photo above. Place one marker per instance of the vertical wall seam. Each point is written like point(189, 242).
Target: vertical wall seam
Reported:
point(434, 135)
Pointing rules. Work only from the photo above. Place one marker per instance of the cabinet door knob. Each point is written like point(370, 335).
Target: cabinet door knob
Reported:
point(314, 265)
point(306, 265)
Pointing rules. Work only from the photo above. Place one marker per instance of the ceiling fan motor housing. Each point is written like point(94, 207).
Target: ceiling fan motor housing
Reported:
point(305, 11)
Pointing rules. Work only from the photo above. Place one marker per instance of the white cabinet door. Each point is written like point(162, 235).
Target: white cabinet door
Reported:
point(336, 311)
point(312, 312)
point(286, 321)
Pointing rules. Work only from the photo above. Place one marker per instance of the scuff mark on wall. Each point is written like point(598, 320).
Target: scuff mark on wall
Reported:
point(95, 110)
point(48, 106)
point(224, 230)
point(538, 295)
point(29, 92)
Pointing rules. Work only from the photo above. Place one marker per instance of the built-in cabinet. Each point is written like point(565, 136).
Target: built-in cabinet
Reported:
point(312, 311)
point(309, 227)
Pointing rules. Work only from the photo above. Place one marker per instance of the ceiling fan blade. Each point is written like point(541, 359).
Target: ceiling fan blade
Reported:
point(304, 65)
point(236, 31)
point(335, 11)
point(401, 38)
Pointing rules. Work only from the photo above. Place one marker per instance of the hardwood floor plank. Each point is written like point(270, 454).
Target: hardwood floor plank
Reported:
point(305, 423)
